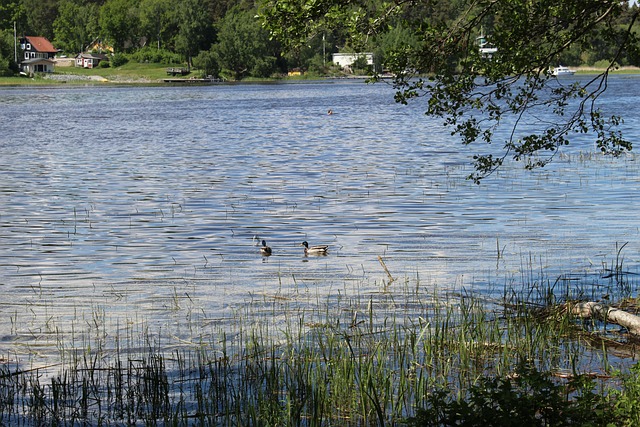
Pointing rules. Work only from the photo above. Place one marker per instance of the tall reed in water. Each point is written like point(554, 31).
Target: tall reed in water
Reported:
point(362, 360)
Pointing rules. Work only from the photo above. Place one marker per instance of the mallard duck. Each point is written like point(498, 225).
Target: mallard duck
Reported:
point(265, 250)
point(314, 250)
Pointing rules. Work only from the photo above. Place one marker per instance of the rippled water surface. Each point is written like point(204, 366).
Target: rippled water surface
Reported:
point(127, 201)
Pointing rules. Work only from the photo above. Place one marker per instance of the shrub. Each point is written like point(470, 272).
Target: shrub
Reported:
point(627, 401)
point(264, 67)
point(208, 63)
point(156, 56)
point(530, 398)
point(119, 59)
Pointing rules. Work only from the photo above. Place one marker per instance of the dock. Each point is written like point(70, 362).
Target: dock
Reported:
point(193, 80)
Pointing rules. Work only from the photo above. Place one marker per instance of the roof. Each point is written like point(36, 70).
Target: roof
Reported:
point(99, 56)
point(41, 44)
point(37, 61)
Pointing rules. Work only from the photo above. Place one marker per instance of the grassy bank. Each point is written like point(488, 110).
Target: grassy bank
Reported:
point(149, 73)
point(404, 355)
point(128, 73)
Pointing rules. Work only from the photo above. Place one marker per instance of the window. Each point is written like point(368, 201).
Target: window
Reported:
point(28, 46)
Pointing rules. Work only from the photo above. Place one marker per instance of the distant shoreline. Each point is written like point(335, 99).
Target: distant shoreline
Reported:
point(134, 79)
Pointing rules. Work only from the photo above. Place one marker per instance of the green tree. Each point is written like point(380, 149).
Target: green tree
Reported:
point(243, 46)
point(391, 46)
point(119, 22)
point(11, 11)
point(208, 63)
point(195, 28)
point(8, 66)
point(478, 95)
point(157, 21)
point(76, 25)
point(40, 15)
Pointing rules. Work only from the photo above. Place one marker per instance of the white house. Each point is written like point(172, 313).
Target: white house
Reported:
point(37, 65)
point(347, 59)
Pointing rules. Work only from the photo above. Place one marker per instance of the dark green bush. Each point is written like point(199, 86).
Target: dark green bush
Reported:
point(155, 55)
point(530, 398)
point(119, 59)
point(207, 62)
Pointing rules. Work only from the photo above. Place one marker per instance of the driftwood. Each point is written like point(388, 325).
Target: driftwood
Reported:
point(611, 314)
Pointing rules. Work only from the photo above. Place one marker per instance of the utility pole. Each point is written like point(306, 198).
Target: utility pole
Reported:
point(324, 53)
point(15, 43)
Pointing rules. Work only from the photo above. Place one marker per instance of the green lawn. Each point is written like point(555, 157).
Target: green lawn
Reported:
point(129, 73)
point(130, 70)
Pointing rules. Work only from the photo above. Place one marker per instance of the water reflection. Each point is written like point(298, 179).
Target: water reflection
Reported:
point(132, 198)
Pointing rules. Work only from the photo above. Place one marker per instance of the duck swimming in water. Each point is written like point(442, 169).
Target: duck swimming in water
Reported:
point(314, 250)
point(264, 249)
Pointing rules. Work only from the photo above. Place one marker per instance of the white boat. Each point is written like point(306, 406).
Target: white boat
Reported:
point(561, 70)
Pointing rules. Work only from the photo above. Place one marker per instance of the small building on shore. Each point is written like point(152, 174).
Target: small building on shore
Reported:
point(346, 60)
point(90, 60)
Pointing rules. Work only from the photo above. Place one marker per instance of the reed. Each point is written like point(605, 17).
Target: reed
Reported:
point(362, 359)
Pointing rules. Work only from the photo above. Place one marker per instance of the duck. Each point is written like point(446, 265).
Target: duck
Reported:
point(264, 249)
point(314, 250)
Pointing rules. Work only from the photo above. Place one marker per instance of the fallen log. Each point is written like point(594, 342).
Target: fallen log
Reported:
point(607, 313)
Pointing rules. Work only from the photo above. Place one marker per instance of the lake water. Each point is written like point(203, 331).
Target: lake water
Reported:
point(127, 204)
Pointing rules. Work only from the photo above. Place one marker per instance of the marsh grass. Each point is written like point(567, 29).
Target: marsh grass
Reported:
point(368, 359)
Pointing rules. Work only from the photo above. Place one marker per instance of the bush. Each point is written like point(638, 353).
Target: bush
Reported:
point(627, 401)
point(531, 398)
point(208, 63)
point(264, 67)
point(155, 55)
point(119, 59)
point(5, 67)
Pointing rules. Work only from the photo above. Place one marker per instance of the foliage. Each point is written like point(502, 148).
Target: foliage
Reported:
point(76, 25)
point(119, 59)
point(157, 21)
point(7, 65)
point(40, 15)
point(193, 27)
point(11, 11)
point(208, 63)
point(361, 64)
point(156, 56)
point(119, 23)
point(627, 400)
point(243, 46)
point(530, 398)
point(487, 100)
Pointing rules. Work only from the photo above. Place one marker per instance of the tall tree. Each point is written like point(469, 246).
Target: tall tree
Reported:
point(195, 28)
point(119, 22)
point(76, 25)
point(156, 20)
point(244, 47)
point(11, 11)
point(8, 66)
point(40, 15)
point(478, 94)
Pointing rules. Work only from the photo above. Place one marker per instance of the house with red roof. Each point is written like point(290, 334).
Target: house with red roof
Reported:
point(37, 56)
